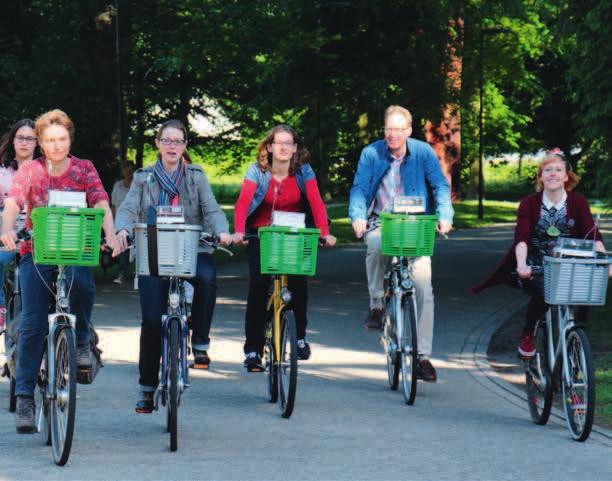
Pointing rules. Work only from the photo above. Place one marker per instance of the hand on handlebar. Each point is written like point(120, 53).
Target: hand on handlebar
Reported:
point(238, 239)
point(8, 239)
point(524, 272)
point(225, 239)
point(328, 241)
point(360, 226)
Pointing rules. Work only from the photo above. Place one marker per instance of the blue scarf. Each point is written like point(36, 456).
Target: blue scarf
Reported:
point(169, 183)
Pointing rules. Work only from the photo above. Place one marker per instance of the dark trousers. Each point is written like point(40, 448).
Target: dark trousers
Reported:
point(256, 313)
point(537, 307)
point(154, 302)
point(35, 307)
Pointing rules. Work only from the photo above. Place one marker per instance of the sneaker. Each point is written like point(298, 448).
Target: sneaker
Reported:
point(83, 357)
point(145, 405)
point(374, 319)
point(303, 350)
point(2, 318)
point(119, 279)
point(24, 415)
point(200, 360)
point(253, 363)
point(526, 347)
point(426, 371)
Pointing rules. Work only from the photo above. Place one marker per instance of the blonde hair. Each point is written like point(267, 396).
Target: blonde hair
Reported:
point(396, 109)
point(572, 178)
point(53, 117)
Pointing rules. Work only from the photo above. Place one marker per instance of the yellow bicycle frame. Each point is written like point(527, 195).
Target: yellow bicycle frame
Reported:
point(277, 303)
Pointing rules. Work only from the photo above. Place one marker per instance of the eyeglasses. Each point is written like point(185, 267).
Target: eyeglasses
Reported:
point(27, 140)
point(167, 142)
point(284, 144)
point(390, 130)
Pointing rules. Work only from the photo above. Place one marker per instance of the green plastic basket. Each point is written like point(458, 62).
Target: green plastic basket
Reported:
point(288, 250)
point(68, 236)
point(408, 235)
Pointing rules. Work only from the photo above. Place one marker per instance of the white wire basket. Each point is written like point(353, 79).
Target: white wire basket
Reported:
point(177, 249)
point(575, 281)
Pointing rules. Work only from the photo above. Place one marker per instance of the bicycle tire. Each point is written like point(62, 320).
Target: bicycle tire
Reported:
point(287, 365)
point(41, 401)
point(579, 391)
point(539, 391)
point(63, 403)
point(174, 353)
point(409, 349)
point(390, 346)
point(269, 365)
point(12, 397)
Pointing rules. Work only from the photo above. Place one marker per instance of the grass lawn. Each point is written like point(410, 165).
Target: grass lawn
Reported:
point(600, 336)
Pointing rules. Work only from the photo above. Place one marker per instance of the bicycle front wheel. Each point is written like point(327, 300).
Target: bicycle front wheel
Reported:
point(538, 378)
point(63, 404)
point(270, 369)
point(409, 349)
point(174, 354)
point(579, 390)
point(287, 364)
point(389, 343)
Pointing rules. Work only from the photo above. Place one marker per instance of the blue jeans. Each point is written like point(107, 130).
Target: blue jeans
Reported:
point(154, 302)
point(5, 258)
point(34, 322)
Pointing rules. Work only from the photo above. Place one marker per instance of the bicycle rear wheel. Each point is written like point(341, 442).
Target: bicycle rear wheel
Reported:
point(63, 405)
point(270, 369)
point(174, 354)
point(579, 390)
point(409, 349)
point(389, 343)
point(13, 310)
point(538, 378)
point(287, 364)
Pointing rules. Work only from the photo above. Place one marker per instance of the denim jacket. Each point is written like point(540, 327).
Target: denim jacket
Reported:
point(262, 179)
point(195, 195)
point(421, 176)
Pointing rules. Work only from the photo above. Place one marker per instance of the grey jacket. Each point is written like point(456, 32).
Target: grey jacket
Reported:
point(195, 195)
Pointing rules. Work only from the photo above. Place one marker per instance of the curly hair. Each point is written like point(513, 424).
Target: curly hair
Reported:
point(264, 157)
point(7, 149)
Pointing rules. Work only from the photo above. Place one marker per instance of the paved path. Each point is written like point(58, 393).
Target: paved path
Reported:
point(347, 424)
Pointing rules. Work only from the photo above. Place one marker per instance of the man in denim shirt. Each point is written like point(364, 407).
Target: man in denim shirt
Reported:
point(399, 166)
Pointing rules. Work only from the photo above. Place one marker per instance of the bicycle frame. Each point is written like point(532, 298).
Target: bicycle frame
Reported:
point(62, 304)
point(399, 279)
point(276, 302)
point(564, 324)
point(176, 310)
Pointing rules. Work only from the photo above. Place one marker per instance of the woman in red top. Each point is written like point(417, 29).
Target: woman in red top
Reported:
point(283, 181)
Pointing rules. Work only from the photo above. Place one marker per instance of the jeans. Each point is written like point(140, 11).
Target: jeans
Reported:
point(153, 304)
point(421, 276)
point(33, 327)
point(256, 312)
point(5, 258)
point(123, 261)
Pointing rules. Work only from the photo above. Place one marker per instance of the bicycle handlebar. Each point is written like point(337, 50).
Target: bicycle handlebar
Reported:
point(246, 237)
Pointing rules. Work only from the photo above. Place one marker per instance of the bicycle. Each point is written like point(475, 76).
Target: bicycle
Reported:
point(568, 282)
point(69, 237)
point(403, 237)
point(174, 248)
point(284, 251)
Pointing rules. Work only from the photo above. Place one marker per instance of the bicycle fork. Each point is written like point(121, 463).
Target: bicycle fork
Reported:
point(281, 296)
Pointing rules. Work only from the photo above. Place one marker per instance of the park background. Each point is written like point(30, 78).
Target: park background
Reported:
point(490, 84)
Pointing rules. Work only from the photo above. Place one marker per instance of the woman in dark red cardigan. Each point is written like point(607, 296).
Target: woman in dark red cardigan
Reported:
point(553, 211)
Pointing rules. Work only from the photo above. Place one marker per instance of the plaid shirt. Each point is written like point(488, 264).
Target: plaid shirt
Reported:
point(390, 186)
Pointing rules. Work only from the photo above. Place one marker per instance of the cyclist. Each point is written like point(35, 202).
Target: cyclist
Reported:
point(16, 146)
point(57, 169)
point(554, 211)
point(399, 166)
point(282, 180)
point(120, 190)
point(170, 181)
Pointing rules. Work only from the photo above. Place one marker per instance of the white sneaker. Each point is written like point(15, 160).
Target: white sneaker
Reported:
point(119, 279)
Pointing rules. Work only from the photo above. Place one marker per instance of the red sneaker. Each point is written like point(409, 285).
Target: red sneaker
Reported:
point(526, 347)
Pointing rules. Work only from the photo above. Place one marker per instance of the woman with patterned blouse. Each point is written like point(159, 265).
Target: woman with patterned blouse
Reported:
point(554, 211)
